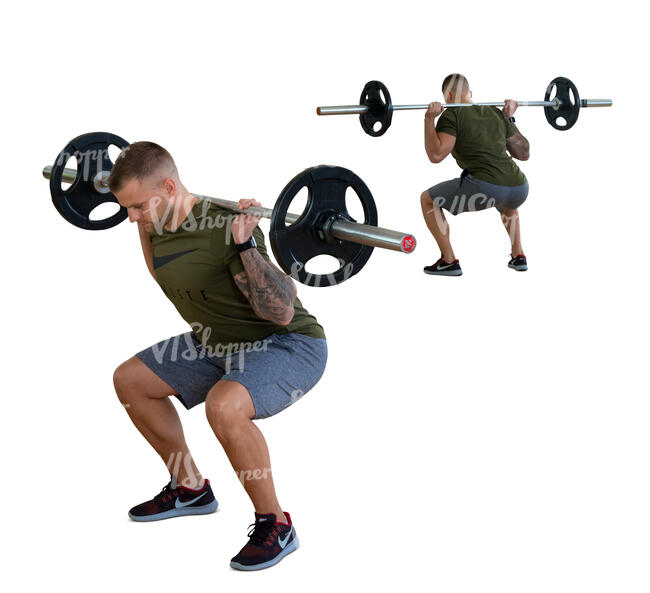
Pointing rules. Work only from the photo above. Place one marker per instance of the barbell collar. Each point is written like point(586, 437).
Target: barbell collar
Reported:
point(364, 234)
point(596, 103)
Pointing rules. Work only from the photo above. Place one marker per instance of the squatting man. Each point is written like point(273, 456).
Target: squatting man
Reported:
point(219, 277)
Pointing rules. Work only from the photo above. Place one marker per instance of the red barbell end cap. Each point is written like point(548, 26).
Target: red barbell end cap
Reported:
point(408, 244)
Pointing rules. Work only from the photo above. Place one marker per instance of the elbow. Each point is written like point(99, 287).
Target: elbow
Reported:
point(277, 315)
point(286, 318)
point(434, 158)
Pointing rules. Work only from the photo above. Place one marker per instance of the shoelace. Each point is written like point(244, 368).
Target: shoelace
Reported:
point(166, 493)
point(263, 532)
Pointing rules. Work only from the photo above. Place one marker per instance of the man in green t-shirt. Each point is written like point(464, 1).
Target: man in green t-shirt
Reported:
point(252, 352)
point(479, 138)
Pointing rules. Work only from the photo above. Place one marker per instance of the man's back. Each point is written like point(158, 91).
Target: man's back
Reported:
point(481, 134)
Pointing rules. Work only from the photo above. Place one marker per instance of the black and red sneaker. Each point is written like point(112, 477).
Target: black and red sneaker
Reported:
point(269, 543)
point(174, 501)
point(518, 262)
point(443, 268)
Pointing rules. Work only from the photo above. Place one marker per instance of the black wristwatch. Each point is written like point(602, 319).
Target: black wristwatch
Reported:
point(241, 247)
point(511, 120)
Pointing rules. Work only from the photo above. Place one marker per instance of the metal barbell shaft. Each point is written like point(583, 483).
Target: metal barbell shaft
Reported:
point(359, 109)
point(355, 232)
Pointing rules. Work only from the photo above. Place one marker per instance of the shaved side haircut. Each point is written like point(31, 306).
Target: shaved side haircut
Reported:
point(141, 160)
point(457, 84)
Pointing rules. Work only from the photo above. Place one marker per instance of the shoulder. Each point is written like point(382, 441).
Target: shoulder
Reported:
point(449, 115)
point(448, 121)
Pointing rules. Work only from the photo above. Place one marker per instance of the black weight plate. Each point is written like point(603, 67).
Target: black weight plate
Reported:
point(294, 245)
point(379, 109)
point(569, 108)
point(77, 202)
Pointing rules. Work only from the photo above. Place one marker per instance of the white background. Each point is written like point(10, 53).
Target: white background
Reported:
point(482, 433)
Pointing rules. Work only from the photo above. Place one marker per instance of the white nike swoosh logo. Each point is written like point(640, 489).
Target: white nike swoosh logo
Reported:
point(180, 505)
point(283, 542)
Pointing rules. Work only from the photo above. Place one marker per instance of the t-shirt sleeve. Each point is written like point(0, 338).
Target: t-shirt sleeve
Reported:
point(448, 123)
point(232, 259)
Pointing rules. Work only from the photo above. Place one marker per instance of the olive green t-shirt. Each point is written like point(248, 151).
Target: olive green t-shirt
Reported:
point(481, 134)
point(195, 266)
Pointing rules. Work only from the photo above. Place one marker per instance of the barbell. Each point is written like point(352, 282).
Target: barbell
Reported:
point(325, 227)
point(561, 102)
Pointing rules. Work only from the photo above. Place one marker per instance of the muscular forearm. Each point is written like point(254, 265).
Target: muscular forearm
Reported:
point(525, 145)
point(431, 140)
point(270, 291)
point(518, 146)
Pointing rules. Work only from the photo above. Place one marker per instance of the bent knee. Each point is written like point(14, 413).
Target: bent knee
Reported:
point(228, 402)
point(425, 198)
point(128, 378)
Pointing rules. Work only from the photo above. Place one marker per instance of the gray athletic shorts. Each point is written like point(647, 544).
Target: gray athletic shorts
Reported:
point(277, 371)
point(468, 194)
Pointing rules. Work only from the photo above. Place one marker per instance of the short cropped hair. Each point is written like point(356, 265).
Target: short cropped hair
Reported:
point(140, 160)
point(456, 83)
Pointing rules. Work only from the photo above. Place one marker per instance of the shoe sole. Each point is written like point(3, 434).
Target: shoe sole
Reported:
point(202, 510)
point(518, 268)
point(291, 547)
point(450, 273)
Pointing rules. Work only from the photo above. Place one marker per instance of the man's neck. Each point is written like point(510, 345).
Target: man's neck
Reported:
point(185, 203)
point(463, 99)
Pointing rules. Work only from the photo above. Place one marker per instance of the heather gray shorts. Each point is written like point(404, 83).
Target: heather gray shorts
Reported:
point(277, 371)
point(468, 194)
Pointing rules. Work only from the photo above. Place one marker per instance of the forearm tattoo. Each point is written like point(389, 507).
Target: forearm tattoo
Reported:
point(518, 146)
point(270, 291)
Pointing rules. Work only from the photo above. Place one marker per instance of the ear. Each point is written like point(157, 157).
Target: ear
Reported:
point(169, 186)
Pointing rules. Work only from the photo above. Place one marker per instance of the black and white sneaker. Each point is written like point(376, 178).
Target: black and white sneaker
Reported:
point(269, 543)
point(518, 262)
point(174, 501)
point(442, 268)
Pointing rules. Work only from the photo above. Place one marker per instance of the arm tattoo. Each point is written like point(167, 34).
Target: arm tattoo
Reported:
point(270, 292)
point(518, 146)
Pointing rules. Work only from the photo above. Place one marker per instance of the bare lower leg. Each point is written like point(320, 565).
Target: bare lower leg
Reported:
point(437, 224)
point(510, 219)
point(230, 412)
point(158, 422)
